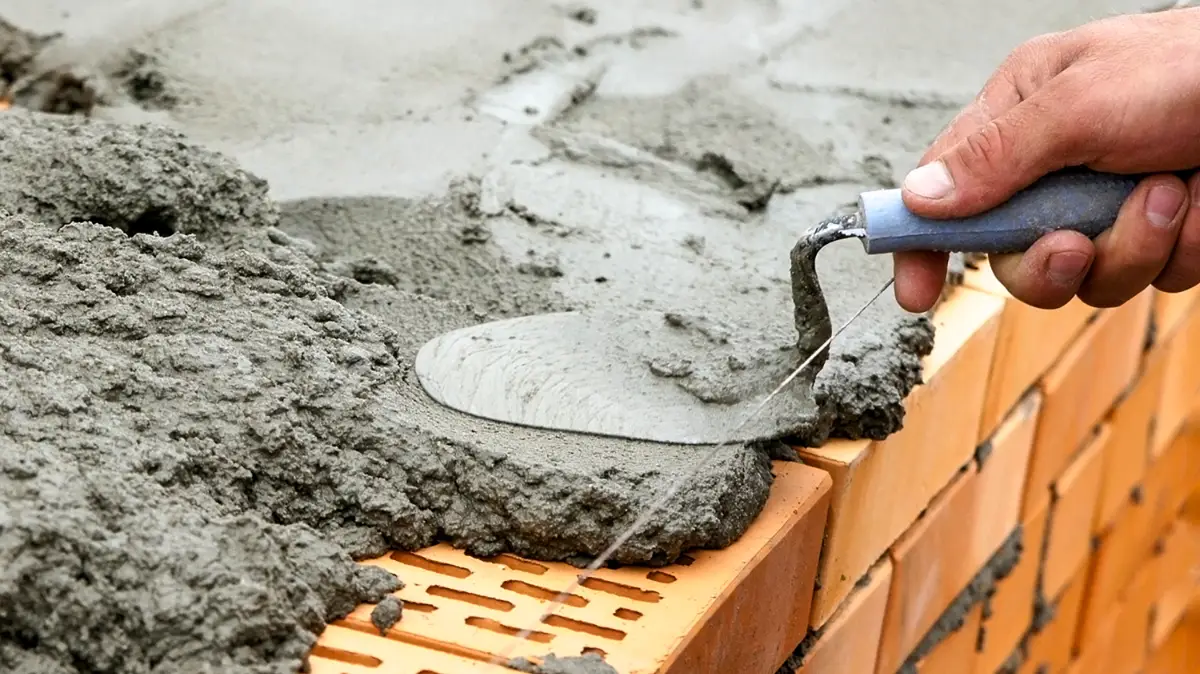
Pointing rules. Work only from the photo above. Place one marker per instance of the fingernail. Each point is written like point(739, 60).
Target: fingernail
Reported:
point(931, 181)
point(1066, 268)
point(1162, 205)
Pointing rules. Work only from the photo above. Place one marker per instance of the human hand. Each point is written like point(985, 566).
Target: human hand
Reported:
point(1120, 95)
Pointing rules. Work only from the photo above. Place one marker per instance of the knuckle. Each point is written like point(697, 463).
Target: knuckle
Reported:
point(989, 146)
point(1048, 53)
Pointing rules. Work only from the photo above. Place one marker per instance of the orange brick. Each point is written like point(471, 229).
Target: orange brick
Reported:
point(1070, 529)
point(1128, 544)
point(1081, 387)
point(1132, 636)
point(1172, 478)
point(1061, 427)
point(1002, 477)
point(956, 654)
point(1010, 611)
point(1030, 341)
point(1051, 648)
point(1181, 652)
point(1178, 578)
point(1127, 454)
point(931, 567)
point(849, 641)
point(1122, 549)
point(962, 528)
point(741, 608)
point(1172, 309)
point(1097, 648)
point(1120, 345)
point(1180, 383)
point(881, 487)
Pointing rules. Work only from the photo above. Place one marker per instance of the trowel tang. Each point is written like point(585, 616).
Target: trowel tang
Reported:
point(1076, 199)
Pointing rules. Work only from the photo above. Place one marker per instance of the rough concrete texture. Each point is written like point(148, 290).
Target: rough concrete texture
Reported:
point(230, 385)
point(387, 613)
point(552, 664)
point(194, 418)
point(138, 179)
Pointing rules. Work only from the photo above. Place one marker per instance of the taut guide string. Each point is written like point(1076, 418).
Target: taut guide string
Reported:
point(504, 656)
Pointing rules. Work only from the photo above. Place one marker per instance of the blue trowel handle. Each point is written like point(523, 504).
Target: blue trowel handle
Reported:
point(1078, 199)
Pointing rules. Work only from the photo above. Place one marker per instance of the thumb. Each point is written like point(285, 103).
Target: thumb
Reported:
point(989, 165)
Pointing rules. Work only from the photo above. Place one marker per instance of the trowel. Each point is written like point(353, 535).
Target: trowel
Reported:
point(586, 371)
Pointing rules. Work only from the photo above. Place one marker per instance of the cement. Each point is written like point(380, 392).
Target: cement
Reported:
point(387, 613)
point(230, 385)
point(587, 664)
point(138, 179)
point(220, 381)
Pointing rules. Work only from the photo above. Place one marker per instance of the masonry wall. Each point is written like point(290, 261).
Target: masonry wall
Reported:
point(1038, 514)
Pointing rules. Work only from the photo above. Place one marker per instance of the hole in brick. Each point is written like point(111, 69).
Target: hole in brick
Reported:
point(430, 565)
point(517, 564)
point(627, 614)
point(660, 577)
point(469, 597)
point(423, 642)
point(501, 628)
point(348, 657)
point(588, 650)
point(419, 607)
point(685, 560)
point(542, 593)
point(428, 671)
point(586, 628)
point(621, 590)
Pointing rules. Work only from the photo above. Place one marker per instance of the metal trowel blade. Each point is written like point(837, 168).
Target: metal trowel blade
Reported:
point(589, 372)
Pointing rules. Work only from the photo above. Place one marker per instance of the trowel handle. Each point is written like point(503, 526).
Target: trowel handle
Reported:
point(1077, 199)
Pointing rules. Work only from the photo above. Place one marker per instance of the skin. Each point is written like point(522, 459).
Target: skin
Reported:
point(1120, 95)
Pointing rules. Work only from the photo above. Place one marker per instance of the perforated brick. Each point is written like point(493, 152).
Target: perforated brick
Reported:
point(740, 609)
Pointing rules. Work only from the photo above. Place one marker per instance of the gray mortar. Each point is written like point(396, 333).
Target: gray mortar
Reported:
point(981, 587)
point(435, 248)
point(587, 664)
point(715, 130)
point(18, 49)
point(102, 567)
point(229, 385)
point(387, 613)
point(745, 152)
point(139, 179)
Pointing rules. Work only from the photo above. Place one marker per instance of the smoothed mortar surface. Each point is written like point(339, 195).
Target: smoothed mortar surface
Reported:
point(354, 113)
point(229, 382)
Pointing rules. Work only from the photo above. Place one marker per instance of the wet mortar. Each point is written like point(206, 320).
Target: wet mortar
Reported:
point(247, 390)
point(218, 379)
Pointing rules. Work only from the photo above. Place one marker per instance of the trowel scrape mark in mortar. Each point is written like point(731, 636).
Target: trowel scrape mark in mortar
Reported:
point(637, 375)
point(211, 384)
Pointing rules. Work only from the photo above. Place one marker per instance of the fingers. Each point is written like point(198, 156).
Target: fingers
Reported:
point(983, 170)
point(1028, 68)
point(1016, 131)
point(1050, 273)
point(920, 275)
point(919, 279)
point(1182, 271)
point(1122, 261)
point(1131, 255)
